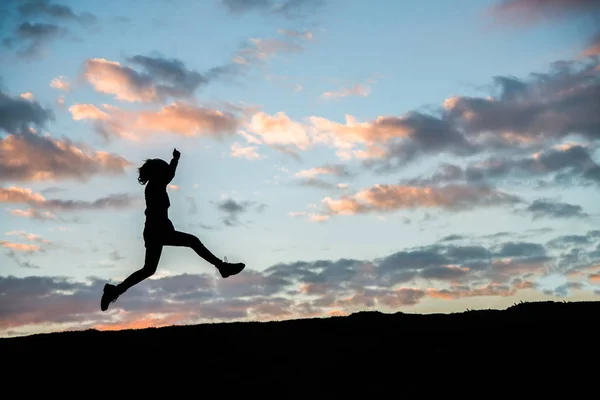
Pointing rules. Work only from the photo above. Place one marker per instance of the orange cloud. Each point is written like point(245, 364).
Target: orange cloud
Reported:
point(32, 157)
point(27, 248)
point(279, 130)
point(60, 83)
point(126, 84)
point(33, 214)
point(87, 111)
point(594, 47)
point(178, 117)
point(248, 152)
point(594, 278)
point(29, 236)
point(387, 198)
point(16, 194)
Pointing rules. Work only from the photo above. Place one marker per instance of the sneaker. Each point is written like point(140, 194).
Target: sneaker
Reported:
point(109, 296)
point(227, 269)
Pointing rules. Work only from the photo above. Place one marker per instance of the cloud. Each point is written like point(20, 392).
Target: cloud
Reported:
point(548, 208)
point(524, 115)
point(19, 195)
point(257, 50)
point(534, 11)
point(389, 139)
point(35, 37)
point(27, 248)
point(308, 35)
point(593, 47)
point(30, 157)
point(279, 131)
point(328, 169)
point(161, 80)
point(549, 106)
point(32, 213)
point(18, 113)
point(390, 198)
point(248, 152)
point(439, 272)
point(356, 90)
point(35, 24)
point(29, 236)
point(291, 9)
point(61, 83)
point(566, 163)
point(178, 118)
point(43, 8)
point(233, 209)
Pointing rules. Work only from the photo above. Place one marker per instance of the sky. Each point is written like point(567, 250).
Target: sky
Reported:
point(415, 156)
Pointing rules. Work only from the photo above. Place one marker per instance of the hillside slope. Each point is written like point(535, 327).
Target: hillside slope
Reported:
point(364, 341)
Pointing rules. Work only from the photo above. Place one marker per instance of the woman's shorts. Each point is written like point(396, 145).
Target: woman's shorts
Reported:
point(156, 233)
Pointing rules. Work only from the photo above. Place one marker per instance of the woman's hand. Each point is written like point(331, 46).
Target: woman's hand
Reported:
point(176, 154)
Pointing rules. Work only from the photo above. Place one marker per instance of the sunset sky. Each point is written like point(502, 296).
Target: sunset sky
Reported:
point(416, 156)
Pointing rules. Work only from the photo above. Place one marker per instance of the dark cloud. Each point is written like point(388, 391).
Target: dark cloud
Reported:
point(233, 209)
point(17, 114)
point(547, 208)
point(295, 289)
point(41, 8)
point(414, 135)
point(567, 241)
point(565, 165)
point(523, 249)
point(21, 261)
point(182, 82)
point(549, 105)
point(115, 256)
point(35, 25)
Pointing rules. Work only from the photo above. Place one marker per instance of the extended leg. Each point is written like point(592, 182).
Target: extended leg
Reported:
point(183, 239)
point(150, 264)
point(187, 240)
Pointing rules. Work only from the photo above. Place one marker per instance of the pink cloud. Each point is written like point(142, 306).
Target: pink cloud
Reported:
point(26, 248)
point(31, 157)
point(126, 84)
point(178, 117)
point(388, 198)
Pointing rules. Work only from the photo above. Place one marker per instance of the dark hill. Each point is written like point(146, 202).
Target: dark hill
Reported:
point(523, 338)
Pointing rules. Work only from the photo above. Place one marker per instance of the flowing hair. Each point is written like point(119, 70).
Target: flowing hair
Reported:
point(150, 168)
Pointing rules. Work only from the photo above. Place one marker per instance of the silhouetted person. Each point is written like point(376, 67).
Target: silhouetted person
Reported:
point(156, 174)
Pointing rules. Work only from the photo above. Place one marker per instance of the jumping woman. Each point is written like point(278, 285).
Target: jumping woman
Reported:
point(156, 174)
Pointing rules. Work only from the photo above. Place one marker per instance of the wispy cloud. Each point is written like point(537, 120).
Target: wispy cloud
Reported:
point(356, 90)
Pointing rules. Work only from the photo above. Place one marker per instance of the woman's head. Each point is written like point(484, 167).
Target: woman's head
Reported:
point(154, 168)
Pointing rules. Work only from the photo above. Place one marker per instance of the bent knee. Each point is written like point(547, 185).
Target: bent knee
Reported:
point(149, 270)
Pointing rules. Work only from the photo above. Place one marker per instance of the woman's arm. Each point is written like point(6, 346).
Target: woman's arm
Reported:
point(173, 165)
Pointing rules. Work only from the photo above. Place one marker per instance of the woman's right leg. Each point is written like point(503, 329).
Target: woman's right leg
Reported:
point(153, 252)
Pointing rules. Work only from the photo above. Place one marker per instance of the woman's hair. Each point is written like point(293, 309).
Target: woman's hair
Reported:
point(150, 168)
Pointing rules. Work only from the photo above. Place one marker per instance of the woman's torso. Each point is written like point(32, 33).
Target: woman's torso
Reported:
point(157, 205)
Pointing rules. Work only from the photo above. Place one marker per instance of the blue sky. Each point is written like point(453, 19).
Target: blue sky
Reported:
point(417, 156)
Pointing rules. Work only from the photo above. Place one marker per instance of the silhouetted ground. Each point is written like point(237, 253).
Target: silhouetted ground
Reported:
point(358, 352)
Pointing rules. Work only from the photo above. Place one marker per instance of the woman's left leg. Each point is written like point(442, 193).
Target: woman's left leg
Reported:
point(183, 239)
